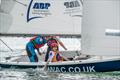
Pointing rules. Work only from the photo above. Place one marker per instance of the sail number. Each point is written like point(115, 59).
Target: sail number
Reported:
point(72, 4)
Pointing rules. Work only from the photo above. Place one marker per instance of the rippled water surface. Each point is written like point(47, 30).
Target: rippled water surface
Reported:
point(39, 74)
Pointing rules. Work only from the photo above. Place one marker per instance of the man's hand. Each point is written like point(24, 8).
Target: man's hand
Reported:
point(39, 53)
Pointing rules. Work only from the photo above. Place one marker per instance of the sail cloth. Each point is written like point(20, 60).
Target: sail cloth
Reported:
point(0, 2)
point(6, 6)
point(101, 16)
point(40, 17)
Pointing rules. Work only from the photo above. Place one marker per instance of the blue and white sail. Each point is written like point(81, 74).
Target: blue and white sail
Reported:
point(40, 17)
point(101, 27)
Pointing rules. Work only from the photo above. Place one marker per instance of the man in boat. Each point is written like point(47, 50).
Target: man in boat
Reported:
point(34, 44)
point(55, 55)
point(53, 39)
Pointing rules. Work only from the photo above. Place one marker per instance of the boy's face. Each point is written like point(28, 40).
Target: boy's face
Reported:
point(54, 48)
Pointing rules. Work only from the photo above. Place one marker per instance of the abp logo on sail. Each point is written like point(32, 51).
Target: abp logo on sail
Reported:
point(38, 9)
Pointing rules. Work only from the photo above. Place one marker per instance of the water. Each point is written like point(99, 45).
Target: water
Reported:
point(39, 74)
point(18, 45)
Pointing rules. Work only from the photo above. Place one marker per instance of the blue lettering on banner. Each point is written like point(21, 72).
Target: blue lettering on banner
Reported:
point(41, 5)
point(36, 6)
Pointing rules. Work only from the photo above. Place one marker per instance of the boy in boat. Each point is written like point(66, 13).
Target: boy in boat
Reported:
point(53, 39)
point(55, 55)
point(34, 44)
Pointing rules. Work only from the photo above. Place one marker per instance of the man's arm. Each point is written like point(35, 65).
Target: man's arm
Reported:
point(49, 60)
point(60, 42)
point(46, 64)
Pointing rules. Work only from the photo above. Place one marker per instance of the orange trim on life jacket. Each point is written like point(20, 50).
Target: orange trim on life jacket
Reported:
point(54, 59)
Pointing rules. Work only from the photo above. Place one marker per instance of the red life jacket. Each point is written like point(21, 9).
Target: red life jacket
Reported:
point(36, 46)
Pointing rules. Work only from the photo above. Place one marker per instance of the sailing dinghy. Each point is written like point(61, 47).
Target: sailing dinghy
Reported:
point(97, 41)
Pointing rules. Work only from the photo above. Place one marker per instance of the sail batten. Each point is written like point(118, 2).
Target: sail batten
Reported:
point(112, 32)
